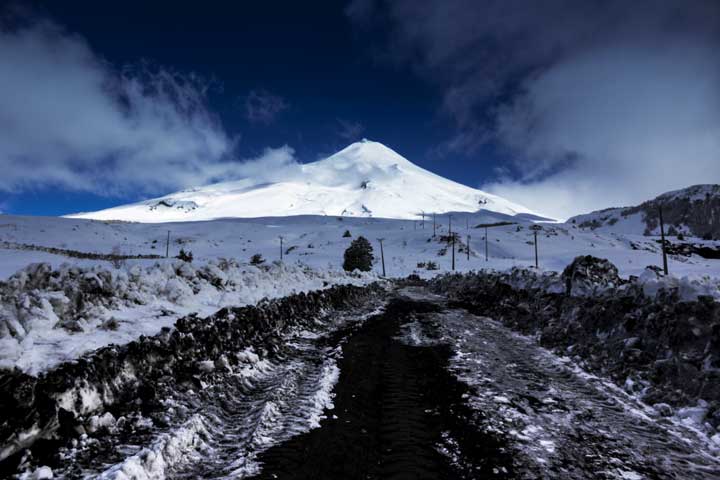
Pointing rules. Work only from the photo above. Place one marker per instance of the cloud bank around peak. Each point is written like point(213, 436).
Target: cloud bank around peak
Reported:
point(70, 120)
point(597, 103)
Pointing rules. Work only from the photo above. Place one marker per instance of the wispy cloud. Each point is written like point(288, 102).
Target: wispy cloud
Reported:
point(597, 103)
point(71, 120)
point(263, 107)
point(350, 131)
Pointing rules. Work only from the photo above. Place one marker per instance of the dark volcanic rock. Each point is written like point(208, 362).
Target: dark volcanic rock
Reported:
point(586, 274)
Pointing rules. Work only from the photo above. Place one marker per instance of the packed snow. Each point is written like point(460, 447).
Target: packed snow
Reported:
point(366, 179)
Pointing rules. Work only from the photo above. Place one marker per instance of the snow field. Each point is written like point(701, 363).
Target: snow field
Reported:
point(68, 306)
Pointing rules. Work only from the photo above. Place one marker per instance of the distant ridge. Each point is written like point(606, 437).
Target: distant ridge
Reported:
point(693, 211)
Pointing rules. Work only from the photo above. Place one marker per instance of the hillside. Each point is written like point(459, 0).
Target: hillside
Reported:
point(692, 211)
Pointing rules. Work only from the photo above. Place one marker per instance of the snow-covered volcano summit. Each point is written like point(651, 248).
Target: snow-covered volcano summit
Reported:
point(364, 179)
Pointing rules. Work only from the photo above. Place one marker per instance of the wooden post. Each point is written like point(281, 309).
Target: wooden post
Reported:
point(536, 254)
point(281, 248)
point(453, 251)
point(662, 239)
point(382, 254)
point(167, 246)
point(468, 248)
point(486, 244)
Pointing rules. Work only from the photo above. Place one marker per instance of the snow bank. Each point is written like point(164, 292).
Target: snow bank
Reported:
point(687, 288)
point(183, 445)
point(594, 277)
point(48, 315)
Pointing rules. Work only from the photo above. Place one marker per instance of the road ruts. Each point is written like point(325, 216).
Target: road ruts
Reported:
point(399, 414)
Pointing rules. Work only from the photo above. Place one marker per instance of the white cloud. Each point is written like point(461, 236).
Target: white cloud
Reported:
point(273, 165)
point(609, 129)
point(597, 103)
point(351, 131)
point(262, 106)
point(68, 119)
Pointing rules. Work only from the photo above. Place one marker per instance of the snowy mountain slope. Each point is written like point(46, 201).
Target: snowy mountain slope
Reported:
point(693, 211)
point(366, 179)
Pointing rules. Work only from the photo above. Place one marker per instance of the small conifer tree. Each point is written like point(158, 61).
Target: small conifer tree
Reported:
point(359, 255)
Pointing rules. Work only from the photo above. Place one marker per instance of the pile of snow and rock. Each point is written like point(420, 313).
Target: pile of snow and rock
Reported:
point(51, 315)
point(588, 275)
point(657, 336)
point(119, 389)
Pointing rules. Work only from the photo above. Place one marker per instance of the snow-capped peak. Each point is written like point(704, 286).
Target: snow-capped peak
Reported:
point(367, 153)
point(365, 178)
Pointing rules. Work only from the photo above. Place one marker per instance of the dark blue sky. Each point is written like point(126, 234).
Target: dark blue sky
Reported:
point(565, 106)
point(309, 54)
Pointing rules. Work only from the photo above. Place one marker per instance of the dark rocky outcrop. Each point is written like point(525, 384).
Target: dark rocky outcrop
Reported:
point(588, 274)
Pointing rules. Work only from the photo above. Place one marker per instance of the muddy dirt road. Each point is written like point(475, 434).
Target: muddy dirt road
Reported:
point(430, 392)
point(415, 390)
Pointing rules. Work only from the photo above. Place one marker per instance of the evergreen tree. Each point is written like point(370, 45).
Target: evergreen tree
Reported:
point(359, 255)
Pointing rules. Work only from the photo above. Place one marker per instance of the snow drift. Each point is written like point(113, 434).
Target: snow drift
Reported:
point(48, 316)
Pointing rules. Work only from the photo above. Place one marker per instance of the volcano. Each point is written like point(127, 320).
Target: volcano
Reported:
point(365, 179)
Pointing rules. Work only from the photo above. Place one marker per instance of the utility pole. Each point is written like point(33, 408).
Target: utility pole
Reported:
point(662, 239)
point(382, 254)
point(452, 240)
point(486, 245)
point(167, 246)
point(281, 247)
point(423, 221)
point(434, 224)
point(468, 248)
point(536, 255)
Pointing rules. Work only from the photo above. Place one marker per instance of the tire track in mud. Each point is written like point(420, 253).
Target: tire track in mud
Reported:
point(398, 413)
point(511, 410)
point(243, 412)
